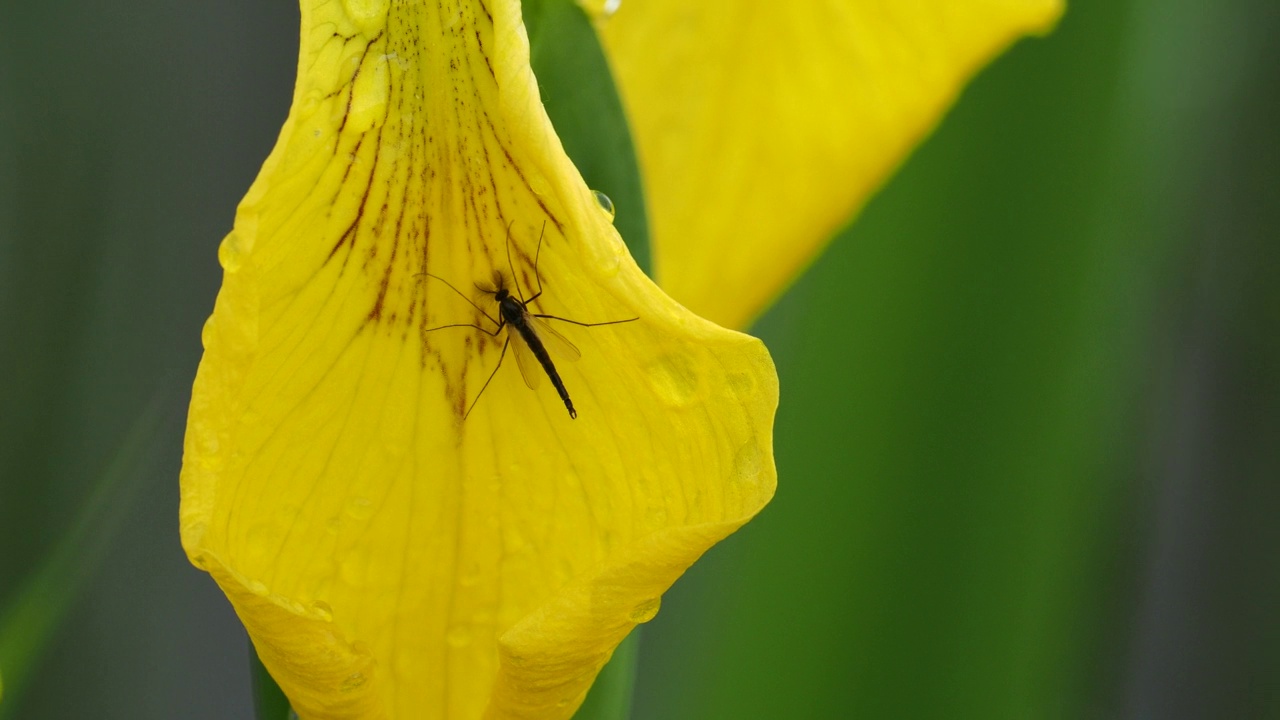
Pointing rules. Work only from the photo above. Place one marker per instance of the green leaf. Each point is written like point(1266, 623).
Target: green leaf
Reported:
point(585, 109)
point(610, 696)
point(32, 615)
point(269, 701)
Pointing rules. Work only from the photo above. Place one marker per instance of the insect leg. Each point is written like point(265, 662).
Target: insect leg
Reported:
point(486, 382)
point(584, 324)
point(464, 297)
point(491, 333)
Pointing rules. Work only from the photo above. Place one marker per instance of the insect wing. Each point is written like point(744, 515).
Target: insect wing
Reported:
point(556, 344)
point(530, 368)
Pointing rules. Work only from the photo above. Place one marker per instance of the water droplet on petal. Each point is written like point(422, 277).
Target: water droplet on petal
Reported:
point(230, 253)
point(322, 610)
point(366, 13)
point(360, 508)
point(353, 681)
point(748, 462)
point(206, 333)
point(605, 204)
point(352, 568)
point(674, 380)
point(645, 611)
point(610, 7)
point(743, 383)
point(262, 541)
point(257, 587)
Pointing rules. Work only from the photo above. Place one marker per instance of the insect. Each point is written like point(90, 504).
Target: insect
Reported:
point(529, 332)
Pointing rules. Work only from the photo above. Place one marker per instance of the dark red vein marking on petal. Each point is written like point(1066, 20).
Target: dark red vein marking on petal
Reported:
point(354, 228)
point(485, 55)
point(520, 174)
point(351, 83)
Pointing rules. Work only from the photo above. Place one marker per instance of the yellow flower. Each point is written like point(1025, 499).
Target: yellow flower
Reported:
point(392, 555)
point(389, 555)
point(761, 127)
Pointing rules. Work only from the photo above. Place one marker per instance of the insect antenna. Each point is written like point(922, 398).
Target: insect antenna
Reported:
point(514, 278)
point(537, 255)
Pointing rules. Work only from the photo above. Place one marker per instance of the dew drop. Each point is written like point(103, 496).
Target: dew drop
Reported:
point(645, 611)
point(539, 185)
point(352, 681)
point(257, 587)
point(459, 636)
point(748, 462)
point(314, 101)
point(322, 611)
point(366, 13)
point(206, 333)
point(605, 204)
point(231, 253)
point(610, 7)
point(743, 383)
point(352, 569)
point(262, 540)
point(674, 380)
point(360, 508)
point(610, 265)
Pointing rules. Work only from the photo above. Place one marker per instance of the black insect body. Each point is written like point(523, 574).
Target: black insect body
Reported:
point(516, 314)
point(532, 334)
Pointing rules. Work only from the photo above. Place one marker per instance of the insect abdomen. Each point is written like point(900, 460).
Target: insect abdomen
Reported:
point(540, 352)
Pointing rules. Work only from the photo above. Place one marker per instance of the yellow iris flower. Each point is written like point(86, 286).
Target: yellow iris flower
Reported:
point(399, 543)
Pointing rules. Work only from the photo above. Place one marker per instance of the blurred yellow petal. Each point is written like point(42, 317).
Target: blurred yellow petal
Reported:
point(389, 559)
point(761, 127)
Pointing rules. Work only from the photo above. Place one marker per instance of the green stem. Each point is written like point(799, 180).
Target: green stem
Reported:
point(269, 702)
point(610, 696)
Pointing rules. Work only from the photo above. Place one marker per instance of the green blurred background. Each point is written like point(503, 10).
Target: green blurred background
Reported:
point(1029, 439)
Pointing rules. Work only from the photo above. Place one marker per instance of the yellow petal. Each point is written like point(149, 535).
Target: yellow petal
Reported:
point(762, 126)
point(388, 558)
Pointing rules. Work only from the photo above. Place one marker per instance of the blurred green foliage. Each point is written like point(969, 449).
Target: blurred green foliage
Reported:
point(32, 613)
point(1030, 423)
point(972, 449)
